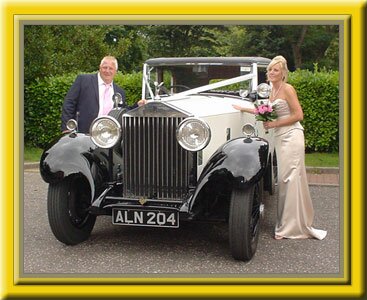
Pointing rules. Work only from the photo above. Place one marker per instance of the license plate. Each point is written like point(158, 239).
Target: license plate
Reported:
point(151, 218)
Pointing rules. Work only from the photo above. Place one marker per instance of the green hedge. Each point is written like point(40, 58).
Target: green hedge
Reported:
point(318, 93)
point(132, 84)
point(42, 109)
point(43, 101)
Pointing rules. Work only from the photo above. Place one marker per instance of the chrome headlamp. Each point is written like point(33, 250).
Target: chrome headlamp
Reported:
point(248, 130)
point(71, 125)
point(105, 132)
point(193, 134)
point(263, 90)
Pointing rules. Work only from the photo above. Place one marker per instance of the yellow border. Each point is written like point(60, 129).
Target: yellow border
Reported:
point(350, 13)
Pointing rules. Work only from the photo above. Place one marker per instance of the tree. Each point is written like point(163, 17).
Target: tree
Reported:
point(183, 40)
point(60, 49)
point(321, 46)
point(302, 45)
point(256, 40)
point(295, 36)
point(133, 39)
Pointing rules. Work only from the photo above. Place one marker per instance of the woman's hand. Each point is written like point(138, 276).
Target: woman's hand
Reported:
point(243, 109)
point(269, 124)
point(235, 106)
point(266, 125)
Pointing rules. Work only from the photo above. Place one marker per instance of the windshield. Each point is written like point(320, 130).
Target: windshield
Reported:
point(166, 81)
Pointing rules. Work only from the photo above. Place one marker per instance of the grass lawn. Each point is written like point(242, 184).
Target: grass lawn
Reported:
point(325, 160)
point(32, 154)
point(312, 159)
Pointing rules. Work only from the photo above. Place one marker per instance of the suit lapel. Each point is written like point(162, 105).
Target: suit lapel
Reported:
point(95, 87)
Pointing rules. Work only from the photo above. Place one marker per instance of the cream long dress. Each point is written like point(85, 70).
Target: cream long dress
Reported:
point(295, 212)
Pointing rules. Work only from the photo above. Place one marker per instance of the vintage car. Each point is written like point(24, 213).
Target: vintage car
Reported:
point(186, 155)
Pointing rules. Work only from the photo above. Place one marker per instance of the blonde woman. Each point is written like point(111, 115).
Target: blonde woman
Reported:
point(295, 211)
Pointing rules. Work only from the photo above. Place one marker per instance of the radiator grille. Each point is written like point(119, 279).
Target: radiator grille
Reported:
point(155, 165)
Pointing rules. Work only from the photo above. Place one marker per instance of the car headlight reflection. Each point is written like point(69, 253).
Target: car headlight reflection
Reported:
point(193, 134)
point(105, 132)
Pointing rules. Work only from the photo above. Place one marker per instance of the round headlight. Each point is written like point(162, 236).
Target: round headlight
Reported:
point(263, 90)
point(193, 134)
point(248, 130)
point(105, 132)
point(71, 124)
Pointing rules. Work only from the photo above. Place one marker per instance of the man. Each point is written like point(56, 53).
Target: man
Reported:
point(90, 96)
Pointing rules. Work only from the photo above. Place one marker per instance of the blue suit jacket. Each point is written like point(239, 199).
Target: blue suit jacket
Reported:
point(83, 97)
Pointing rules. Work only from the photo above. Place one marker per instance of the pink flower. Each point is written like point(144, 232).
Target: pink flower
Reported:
point(265, 112)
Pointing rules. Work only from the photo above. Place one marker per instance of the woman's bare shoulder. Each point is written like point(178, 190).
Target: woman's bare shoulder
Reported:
point(289, 89)
point(288, 86)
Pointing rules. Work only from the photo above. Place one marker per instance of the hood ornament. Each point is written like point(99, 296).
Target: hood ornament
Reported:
point(142, 200)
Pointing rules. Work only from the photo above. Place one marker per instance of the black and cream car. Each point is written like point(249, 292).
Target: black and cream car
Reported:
point(186, 155)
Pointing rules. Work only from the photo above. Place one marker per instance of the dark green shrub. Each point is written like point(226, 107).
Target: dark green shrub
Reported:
point(318, 93)
point(42, 108)
point(132, 84)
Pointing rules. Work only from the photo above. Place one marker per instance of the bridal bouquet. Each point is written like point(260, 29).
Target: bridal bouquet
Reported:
point(265, 112)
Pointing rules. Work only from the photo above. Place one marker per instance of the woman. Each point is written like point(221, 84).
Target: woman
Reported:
point(295, 210)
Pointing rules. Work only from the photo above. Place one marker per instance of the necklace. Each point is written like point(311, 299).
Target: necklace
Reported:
point(274, 94)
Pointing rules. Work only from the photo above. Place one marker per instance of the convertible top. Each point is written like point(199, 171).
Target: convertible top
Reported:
point(232, 61)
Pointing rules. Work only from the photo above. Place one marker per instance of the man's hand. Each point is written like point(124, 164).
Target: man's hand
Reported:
point(142, 102)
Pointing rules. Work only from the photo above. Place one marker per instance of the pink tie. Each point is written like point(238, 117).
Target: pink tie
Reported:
point(107, 100)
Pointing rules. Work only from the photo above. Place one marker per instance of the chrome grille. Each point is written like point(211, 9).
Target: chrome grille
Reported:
point(155, 166)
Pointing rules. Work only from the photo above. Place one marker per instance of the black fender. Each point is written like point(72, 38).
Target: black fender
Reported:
point(69, 154)
point(238, 163)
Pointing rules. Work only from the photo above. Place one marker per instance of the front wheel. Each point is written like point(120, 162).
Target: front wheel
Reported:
point(67, 206)
point(244, 221)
